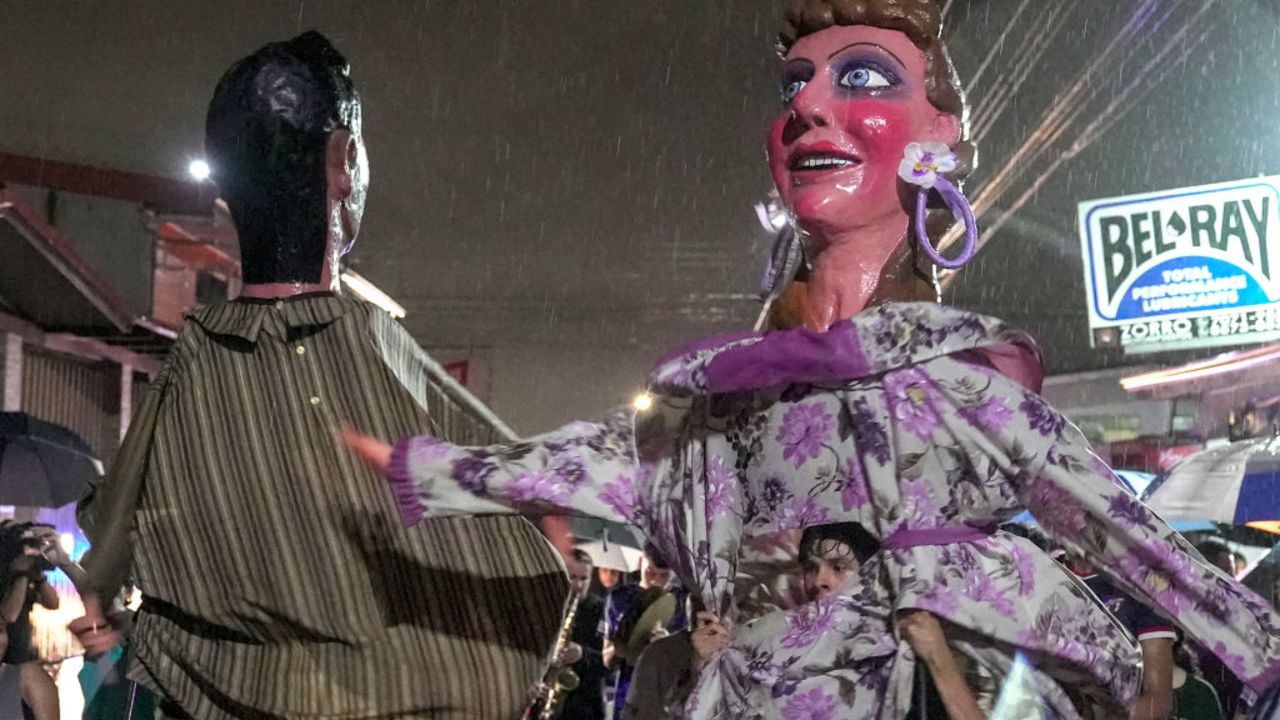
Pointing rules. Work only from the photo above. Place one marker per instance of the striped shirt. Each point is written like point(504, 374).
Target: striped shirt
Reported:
point(277, 578)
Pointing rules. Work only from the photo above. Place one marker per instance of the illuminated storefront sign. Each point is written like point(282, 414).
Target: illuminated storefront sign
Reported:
point(1196, 267)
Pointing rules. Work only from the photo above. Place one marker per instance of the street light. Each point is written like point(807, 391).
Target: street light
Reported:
point(199, 169)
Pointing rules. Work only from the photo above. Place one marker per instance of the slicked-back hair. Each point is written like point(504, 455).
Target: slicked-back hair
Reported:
point(266, 133)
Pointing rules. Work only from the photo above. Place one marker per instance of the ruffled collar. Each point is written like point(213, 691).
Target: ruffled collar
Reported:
point(875, 341)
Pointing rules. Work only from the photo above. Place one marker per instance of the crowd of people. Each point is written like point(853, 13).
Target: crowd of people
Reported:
point(1181, 681)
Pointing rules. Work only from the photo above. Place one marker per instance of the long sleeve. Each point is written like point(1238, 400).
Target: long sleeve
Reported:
point(106, 511)
point(583, 468)
point(1081, 503)
point(1136, 549)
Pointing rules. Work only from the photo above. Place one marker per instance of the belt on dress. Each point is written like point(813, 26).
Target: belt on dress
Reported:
point(908, 538)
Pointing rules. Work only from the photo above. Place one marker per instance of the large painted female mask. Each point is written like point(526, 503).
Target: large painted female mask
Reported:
point(855, 98)
point(864, 84)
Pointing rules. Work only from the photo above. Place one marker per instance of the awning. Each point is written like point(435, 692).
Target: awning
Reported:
point(45, 281)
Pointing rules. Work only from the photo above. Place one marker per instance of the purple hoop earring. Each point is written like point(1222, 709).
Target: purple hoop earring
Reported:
point(959, 206)
point(923, 166)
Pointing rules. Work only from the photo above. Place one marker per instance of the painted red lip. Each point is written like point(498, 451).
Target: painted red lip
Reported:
point(820, 157)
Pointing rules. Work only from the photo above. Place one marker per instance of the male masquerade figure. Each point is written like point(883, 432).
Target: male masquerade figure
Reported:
point(277, 578)
point(919, 422)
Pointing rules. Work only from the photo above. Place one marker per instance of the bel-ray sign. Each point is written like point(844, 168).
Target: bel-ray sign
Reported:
point(1195, 267)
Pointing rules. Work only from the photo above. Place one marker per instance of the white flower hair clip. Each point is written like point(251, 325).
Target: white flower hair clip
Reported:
point(924, 162)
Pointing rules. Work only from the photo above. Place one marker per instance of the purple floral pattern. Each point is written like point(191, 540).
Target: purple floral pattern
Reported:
point(797, 514)
point(1057, 508)
point(1129, 512)
point(1164, 572)
point(869, 434)
point(1024, 565)
point(571, 472)
point(620, 496)
point(940, 600)
point(720, 488)
point(815, 704)
point(808, 624)
point(855, 494)
point(1042, 418)
point(538, 486)
point(913, 401)
point(992, 414)
point(981, 587)
point(803, 430)
point(918, 502)
point(884, 421)
point(472, 472)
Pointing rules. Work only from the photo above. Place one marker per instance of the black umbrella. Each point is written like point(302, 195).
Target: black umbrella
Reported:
point(42, 464)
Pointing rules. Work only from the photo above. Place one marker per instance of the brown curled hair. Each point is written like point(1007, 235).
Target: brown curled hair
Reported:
point(921, 22)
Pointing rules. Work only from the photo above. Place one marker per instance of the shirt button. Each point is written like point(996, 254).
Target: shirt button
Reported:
point(300, 350)
point(315, 400)
point(279, 304)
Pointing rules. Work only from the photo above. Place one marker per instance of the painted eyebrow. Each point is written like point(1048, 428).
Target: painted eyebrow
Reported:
point(869, 44)
point(794, 62)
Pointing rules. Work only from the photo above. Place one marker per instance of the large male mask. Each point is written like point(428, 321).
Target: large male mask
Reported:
point(277, 121)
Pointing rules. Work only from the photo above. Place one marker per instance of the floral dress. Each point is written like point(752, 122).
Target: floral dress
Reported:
point(904, 419)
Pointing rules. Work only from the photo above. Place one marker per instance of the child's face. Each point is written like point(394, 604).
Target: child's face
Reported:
point(827, 568)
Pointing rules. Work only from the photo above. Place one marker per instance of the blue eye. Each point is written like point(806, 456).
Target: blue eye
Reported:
point(792, 89)
point(863, 77)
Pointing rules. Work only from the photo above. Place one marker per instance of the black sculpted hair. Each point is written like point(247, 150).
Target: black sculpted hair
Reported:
point(266, 132)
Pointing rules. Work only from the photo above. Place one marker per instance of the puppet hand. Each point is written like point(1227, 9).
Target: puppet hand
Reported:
point(370, 449)
point(709, 639)
point(94, 631)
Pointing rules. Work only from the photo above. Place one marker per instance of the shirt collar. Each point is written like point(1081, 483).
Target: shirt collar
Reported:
point(248, 318)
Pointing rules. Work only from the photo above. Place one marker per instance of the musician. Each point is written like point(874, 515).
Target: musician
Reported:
point(582, 654)
point(654, 573)
point(667, 670)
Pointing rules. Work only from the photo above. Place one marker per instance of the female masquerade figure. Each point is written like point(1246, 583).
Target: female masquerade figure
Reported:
point(919, 422)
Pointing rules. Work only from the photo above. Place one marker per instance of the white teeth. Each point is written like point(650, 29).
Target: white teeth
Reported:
point(822, 162)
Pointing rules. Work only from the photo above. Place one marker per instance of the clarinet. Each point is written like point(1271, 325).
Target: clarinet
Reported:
point(560, 681)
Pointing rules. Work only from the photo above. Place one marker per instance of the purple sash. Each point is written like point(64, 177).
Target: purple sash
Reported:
point(903, 539)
